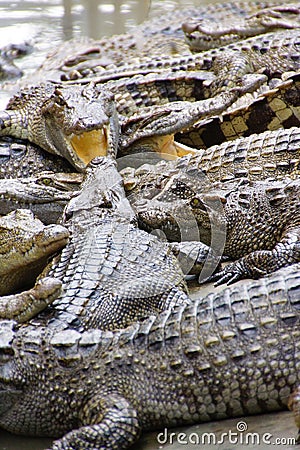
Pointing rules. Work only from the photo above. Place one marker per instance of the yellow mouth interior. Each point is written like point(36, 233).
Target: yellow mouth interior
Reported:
point(90, 144)
point(170, 149)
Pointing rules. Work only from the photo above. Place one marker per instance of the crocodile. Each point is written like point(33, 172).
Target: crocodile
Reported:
point(83, 121)
point(272, 154)
point(271, 53)
point(45, 194)
point(261, 219)
point(230, 354)
point(26, 246)
point(75, 123)
point(203, 34)
point(111, 271)
point(156, 36)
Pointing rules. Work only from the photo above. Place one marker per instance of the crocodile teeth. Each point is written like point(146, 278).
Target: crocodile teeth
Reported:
point(90, 144)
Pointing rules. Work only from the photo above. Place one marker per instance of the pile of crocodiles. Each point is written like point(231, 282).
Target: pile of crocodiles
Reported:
point(102, 335)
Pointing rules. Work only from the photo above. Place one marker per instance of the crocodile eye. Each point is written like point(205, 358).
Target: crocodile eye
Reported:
point(197, 203)
point(45, 181)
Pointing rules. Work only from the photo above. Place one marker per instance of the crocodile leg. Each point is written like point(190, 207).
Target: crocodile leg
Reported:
point(229, 67)
point(25, 305)
point(261, 262)
point(108, 421)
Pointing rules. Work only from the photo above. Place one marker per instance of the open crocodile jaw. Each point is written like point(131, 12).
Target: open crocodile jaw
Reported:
point(90, 144)
point(167, 147)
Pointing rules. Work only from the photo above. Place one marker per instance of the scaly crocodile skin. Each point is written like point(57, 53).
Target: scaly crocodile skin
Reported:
point(202, 33)
point(272, 154)
point(111, 272)
point(25, 246)
point(230, 354)
point(157, 36)
point(277, 107)
point(260, 220)
point(19, 159)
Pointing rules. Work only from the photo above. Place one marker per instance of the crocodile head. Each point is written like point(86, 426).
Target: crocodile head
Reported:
point(203, 34)
point(75, 122)
point(81, 123)
point(181, 205)
point(25, 246)
point(46, 194)
point(101, 188)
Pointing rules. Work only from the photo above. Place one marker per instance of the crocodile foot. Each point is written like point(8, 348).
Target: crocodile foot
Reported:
point(234, 272)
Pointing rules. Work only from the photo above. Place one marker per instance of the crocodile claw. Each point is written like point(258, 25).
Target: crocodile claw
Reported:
point(230, 274)
point(237, 270)
point(228, 278)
